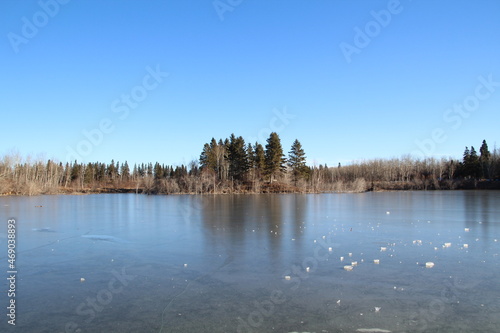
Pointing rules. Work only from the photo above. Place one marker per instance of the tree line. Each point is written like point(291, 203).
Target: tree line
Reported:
point(233, 166)
point(232, 160)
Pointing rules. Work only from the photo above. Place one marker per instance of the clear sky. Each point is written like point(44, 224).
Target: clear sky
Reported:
point(154, 80)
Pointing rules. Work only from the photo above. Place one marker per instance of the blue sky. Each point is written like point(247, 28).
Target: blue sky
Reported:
point(68, 67)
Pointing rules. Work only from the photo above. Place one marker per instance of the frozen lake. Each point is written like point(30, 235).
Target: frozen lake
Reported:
point(255, 263)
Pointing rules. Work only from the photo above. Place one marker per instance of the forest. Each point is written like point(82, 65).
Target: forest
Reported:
point(232, 166)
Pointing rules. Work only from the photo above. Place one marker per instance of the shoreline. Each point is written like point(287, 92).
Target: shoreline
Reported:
point(279, 188)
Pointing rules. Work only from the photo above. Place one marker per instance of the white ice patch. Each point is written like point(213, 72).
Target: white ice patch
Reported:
point(43, 229)
point(105, 238)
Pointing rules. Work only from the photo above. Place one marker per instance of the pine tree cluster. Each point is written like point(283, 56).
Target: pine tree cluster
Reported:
point(232, 159)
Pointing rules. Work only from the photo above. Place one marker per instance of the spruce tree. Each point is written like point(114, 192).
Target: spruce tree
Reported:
point(89, 173)
point(101, 172)
point(135, 173)
point(297, 161)
point(484, 160)
point(474, 165)
point(125, 171)
point(471, 166)
point(238, 158)
point(464, 166)
point(111, 170)
point(158, 171)
point(260, 159)
point(251, 156)
point(117, 168)
point(205, 157)
point(75, 171)
point(208, 157)
point(274, 160)
point(485, 153)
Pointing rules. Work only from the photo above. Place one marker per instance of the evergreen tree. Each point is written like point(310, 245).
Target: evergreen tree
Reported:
point(89, 173)
point(135, 172)
point(470, 166)
point(125, 171)
point(466, 156)
point(101, 171)
point(117, 169)
point(180, 172)
point(111, 170)
point(485, 153)
point(274, 160)
point(75, 171)
point(464, 165)
point(474, 165)
point(149, 171)
point(297, 161)
point(484, 160)
point(251, 156)
point(260, 158)
point(205, 157)
point(221, 153)
point(158, 171)
point(141, 170)
point(238, 158)
point(167, 171)
point(208, 158)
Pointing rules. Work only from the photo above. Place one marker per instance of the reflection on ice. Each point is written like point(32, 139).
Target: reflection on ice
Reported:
point(279, 245)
